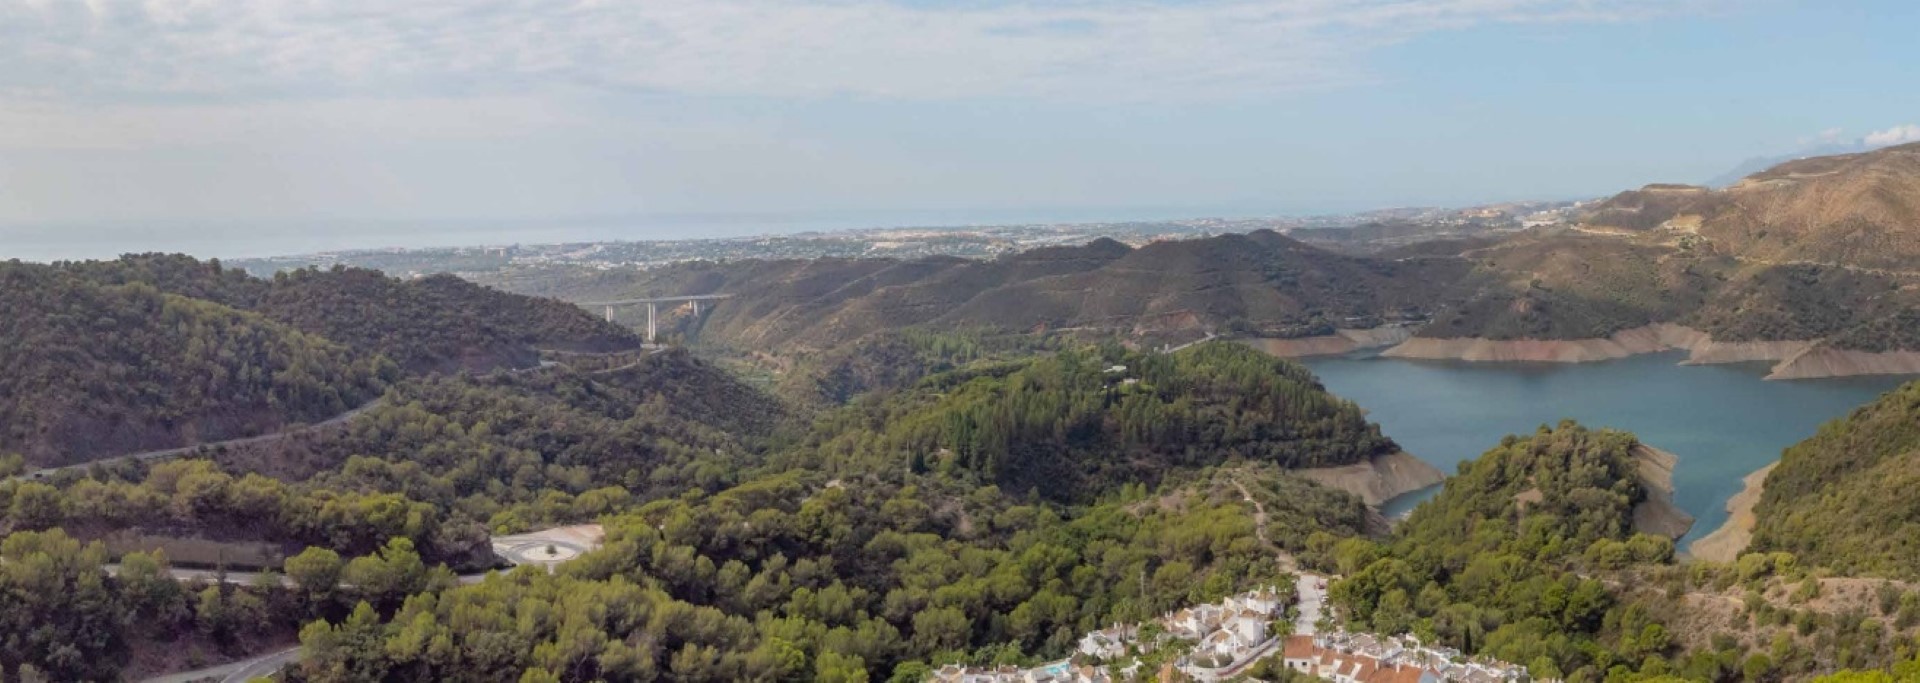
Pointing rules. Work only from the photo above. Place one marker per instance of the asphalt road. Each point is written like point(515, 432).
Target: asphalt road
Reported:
point(263, 666)
point(168, 453)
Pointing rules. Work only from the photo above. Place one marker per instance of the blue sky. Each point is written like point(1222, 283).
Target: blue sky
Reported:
point(237, 126)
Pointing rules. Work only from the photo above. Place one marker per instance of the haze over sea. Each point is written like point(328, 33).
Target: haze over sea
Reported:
point(1723, 421)
point(245, 239)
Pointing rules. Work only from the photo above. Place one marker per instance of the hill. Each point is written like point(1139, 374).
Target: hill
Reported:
point(1080, 422)
point(1258, 283)
point(1513, 559)
point(1860, 209)
point(998, 509)
point(993, 509)
point(155, 351)
point(436, 323)
point(96, 370)
point(1570, 285)
point(1839, 499)
point(432, 323)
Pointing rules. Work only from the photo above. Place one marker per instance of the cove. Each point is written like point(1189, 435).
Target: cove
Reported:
point(1723, 421)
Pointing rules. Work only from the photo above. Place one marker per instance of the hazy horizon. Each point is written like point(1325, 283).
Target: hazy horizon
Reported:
point(248, 128)
point(247, 240)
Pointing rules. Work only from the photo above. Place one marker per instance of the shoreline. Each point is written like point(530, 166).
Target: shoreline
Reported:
point(1341, 342)
point(1379, 479)
point(1791, 359)
point(1726, 543)
point(1658, 514)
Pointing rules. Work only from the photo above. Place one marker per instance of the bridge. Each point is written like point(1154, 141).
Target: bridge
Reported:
point(653, 307)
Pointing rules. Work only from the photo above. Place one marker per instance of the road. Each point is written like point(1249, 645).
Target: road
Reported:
point(1175, 349)
point(246, 669)
point(263, 666)
point(1313, 600)
point(168, 453)
point(185, 575)
point(266, 665)
point(234, 672)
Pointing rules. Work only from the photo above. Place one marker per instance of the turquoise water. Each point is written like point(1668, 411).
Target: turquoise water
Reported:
point(1722, 421)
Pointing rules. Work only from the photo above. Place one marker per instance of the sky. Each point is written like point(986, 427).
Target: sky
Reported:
point(254, 127)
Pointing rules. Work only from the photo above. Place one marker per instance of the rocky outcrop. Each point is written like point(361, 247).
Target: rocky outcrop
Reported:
point(1727, 542)
point(1658, 514)
point(1340, 342)
point(1378, 480)
point(1826, 361)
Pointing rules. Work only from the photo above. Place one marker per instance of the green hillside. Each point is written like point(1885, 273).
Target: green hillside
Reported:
point(95, 370)
point(153, 351)
point(1505, 560)
point(1077, 423)
point(434, 323)
point(1841, 498)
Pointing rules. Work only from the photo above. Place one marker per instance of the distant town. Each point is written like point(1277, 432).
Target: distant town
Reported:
point(1366, 231)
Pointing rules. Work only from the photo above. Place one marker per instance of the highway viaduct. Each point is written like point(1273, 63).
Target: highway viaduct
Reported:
point(653, 307)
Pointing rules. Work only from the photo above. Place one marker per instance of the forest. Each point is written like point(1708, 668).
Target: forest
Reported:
point(154, 351)
point(1827, 501)
point(867, 512)
point(747, 537)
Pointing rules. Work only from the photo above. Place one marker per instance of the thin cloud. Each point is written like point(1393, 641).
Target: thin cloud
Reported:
point(116, 50)
point(1897, 135)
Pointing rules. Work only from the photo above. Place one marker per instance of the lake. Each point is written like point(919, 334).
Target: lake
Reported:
point(1723, 421)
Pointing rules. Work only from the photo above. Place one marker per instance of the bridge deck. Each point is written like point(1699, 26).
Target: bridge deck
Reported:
point(657, 300)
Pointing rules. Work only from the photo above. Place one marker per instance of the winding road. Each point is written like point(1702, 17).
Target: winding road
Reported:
point(343, 418)
point(267, 665)
point(170, 453)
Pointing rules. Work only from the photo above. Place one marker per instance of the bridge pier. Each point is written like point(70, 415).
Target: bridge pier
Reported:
point(653, 309)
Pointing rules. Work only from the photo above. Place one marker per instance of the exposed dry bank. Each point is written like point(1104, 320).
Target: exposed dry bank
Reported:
point(1379, 479)
point(1793, 359)
point(1340, 342)
point(1727, 542)
point(1658, 514)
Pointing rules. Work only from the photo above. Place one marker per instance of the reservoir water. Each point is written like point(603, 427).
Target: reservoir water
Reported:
point(1723, 421)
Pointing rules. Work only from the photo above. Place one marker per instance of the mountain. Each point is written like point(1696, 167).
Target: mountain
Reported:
point(1803, 264)
point(1262, 282)
point(155, 351)
point(1758, 164)
point(1807, 265)
point(1858, 210)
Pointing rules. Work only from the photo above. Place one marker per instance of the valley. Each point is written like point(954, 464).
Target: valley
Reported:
point(1490, 442)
